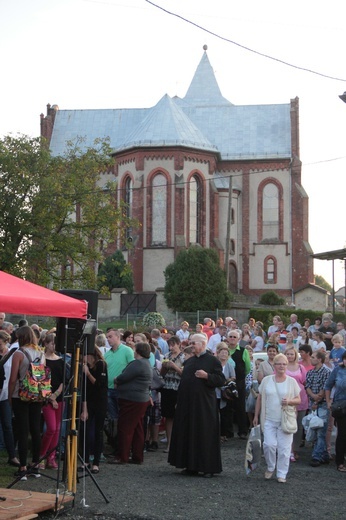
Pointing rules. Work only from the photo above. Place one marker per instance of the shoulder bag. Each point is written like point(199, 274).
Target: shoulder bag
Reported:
point(338, 409)
point(288, 415)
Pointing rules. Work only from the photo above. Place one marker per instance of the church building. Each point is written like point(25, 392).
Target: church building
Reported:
point(175, 163)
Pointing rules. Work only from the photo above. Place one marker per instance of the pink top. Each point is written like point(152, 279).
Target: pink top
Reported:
point(300, 376)
point(307, 367)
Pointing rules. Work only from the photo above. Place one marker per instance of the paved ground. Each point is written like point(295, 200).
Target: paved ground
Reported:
point(156, 491)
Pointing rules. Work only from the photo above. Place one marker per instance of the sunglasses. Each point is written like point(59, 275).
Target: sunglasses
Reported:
point(193, 342)
point(236, 337)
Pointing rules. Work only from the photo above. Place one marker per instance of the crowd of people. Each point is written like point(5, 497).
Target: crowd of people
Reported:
point(135, 385)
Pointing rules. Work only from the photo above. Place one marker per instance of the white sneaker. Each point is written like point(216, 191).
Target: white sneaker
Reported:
point(164, 439)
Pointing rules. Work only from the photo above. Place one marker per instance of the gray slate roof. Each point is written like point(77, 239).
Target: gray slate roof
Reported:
point(167, 125)
point(203, 119)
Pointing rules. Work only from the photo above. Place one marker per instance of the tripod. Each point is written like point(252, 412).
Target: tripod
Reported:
point(72, 440)
point(69, 471)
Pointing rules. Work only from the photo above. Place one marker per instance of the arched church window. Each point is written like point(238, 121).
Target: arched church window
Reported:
point(270, 212)
point(128, 199)
point(159, 210)
point(195, 205)
point(270, 270)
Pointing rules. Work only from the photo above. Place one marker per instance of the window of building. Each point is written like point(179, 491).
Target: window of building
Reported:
point(128, 201)
point(195, 202)
point(159, 210)
point(270, 212)
point(270, 270)
point(232, 247)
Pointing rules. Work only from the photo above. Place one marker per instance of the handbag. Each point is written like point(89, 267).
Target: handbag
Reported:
point(338, 409)
point(288, 416)
point(229, 391)
point(157, 382)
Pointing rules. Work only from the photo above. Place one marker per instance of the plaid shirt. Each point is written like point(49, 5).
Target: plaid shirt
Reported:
point(316, 380)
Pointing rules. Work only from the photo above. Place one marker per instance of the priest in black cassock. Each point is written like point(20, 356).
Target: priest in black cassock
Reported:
point(195, 443)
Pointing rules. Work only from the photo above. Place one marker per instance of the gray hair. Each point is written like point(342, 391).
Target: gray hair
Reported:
point(200, 337)
point(100, 340)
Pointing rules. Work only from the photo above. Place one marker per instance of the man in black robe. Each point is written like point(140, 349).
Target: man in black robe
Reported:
point(195, 443)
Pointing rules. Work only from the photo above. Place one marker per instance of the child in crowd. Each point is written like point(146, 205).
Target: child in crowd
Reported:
point(318, 343)
point(337, 351)
point(340, 329)
point(252, 392)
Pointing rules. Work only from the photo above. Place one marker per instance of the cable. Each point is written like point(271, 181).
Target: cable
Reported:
point(111, 191)
point(243, 46)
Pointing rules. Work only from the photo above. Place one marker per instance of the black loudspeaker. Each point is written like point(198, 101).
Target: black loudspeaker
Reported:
point(75, 326)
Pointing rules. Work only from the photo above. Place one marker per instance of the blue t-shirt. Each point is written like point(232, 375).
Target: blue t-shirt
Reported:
point(337, 379)
point(336, 355)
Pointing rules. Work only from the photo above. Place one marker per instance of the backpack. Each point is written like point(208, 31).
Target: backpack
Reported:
point(35, 387)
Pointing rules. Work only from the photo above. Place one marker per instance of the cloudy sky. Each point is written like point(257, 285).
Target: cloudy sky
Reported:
point(129, 53)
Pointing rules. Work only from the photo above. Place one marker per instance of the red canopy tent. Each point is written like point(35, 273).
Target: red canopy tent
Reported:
point(21, 297)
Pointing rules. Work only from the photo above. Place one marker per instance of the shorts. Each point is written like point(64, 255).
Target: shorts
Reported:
point(154, 414)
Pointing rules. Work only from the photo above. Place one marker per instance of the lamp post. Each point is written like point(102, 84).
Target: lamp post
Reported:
point(343, 98)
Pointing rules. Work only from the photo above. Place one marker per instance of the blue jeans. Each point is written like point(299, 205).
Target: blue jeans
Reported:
point(319, 451)
point(113, 406)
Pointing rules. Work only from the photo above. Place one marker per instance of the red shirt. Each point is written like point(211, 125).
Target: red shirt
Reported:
point(206, 329)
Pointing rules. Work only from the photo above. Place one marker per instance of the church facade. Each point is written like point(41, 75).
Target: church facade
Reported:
point(175, 164)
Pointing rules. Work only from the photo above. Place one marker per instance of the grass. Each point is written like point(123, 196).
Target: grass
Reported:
point(134, 325)
point(6, 472)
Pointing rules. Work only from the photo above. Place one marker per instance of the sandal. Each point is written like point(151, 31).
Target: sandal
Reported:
point(341, 468)
point(83, 468)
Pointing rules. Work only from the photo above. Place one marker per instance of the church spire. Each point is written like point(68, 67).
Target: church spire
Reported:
point(204, 89)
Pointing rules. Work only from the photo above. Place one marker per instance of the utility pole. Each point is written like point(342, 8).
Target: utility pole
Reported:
point(228, 233)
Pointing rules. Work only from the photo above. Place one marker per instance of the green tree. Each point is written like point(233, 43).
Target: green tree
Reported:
point(196, 281)
point(57, 214)
point(321, 282)
point(115, 272)
point(271, 298)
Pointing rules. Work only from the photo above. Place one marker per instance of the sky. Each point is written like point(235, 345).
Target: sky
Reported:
point(82, 54)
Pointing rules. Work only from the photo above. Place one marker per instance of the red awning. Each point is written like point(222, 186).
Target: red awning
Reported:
point(18, 296)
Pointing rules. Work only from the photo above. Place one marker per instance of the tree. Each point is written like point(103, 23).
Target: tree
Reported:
point(271, 298)
point(321, 282)
point(115, 272)
point(196, 281)
point(57, 214)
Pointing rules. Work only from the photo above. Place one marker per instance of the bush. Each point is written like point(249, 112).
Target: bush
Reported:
point(271, 298)
point(266, 315)
point(154, 320)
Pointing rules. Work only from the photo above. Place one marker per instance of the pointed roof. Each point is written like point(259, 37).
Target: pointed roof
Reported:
point(203, 120)
point(166, 125)
point(204, 89)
